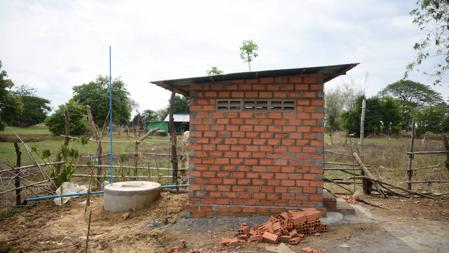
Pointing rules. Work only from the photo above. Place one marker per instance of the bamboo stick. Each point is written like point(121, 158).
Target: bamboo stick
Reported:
point(31, 166)
point(432, 152)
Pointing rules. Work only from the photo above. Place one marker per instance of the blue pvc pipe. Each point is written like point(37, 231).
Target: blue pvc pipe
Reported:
point(110, 117)
point(38, 198)
point(63, 195)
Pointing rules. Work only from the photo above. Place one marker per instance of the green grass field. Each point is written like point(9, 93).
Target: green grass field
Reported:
point(121, 144)
point(34, 130)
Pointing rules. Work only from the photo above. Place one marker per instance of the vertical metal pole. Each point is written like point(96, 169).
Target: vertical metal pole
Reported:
point(410, 157)
point(110, 117)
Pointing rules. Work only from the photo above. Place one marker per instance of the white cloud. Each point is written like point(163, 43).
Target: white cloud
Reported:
point(54, 45)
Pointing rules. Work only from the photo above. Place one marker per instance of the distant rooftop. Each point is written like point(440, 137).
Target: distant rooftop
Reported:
point(182, 85)
point(179, 118)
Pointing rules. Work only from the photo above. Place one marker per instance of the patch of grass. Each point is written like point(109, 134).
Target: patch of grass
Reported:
point(122, 143)
point(388, 159)
point(9, 212)
point(39, 129)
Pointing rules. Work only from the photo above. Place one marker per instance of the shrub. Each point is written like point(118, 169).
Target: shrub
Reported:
point(77, 119)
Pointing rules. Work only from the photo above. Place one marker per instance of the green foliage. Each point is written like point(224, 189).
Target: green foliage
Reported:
point(412, 95)
point(96, 95)
point(336, 101)
point(84, 140)
point(432, 17)
point(248, 51)
point(10, 104)
point(70, 156)
point(214, 71)
point(180, 105)
point(149, 116)
point(445, 123)
point(35, 108)
point(432, 119)
point(382, 116)
point(391, 115)
point(77, 118)
point(46, 153)
point(161, 114)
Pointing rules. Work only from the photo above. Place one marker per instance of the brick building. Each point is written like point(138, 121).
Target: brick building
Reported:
point(257, 139)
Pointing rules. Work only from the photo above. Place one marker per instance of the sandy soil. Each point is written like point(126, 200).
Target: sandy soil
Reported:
point(63, 229)
point(403, 225)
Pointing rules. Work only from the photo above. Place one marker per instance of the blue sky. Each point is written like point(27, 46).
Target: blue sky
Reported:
point(53, 45)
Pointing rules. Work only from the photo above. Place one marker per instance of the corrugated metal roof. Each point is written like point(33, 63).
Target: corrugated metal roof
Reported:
point(179, 118)
point(182, 85)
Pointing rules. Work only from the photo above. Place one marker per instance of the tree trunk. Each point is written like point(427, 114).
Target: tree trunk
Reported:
point(174, 157)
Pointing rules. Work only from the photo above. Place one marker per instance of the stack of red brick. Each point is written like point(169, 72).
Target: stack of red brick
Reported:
point(289, 227)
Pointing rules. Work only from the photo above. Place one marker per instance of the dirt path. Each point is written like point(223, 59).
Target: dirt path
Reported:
point(403, 226)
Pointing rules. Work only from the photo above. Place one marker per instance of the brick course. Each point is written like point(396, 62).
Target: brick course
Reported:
point(256, 162)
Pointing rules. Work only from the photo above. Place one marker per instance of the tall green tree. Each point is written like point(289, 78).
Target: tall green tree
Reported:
point(382, 115)
point(180, 104)
point(10, 104)
point(412, 95)
point(161, 114)
point(214, 70)
point(77, 118)
point(35, 108)
point(248, 52)
point(432, 119)
point(96, 95)
point(149, 116)
point(432, 17)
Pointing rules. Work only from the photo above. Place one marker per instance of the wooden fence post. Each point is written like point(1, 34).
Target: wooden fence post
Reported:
point(446, 146)
point(410, 158)
point(367, 184)
point(94, 133)
point(174, 156)
point(17, 173)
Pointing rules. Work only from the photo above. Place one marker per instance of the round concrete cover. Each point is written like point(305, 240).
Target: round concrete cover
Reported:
point(132, 195)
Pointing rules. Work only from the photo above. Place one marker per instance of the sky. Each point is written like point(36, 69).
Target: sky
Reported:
point(53, 45)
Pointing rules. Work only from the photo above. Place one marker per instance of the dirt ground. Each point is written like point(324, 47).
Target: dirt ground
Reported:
point(402, 225)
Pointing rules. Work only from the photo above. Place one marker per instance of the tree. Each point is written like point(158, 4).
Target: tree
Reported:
point(432, 17)
point(96, 95)
point(432, 119)
point(445, 122)
point(214, 71)
point(412, 94)
point(336, 102)
point(180, 104)
point(161, 114)
point(149, 116)
point(35, 108)
point(10, 104)
point(248, 51)
point(382, 115)
point(77, 119)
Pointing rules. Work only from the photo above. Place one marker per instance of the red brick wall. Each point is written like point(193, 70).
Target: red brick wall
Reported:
point(245, 162)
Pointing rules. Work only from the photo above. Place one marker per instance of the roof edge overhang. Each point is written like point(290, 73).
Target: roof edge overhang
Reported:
point(181, 85)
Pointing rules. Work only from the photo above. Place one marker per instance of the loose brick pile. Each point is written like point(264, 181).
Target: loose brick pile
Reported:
point(288, 227)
